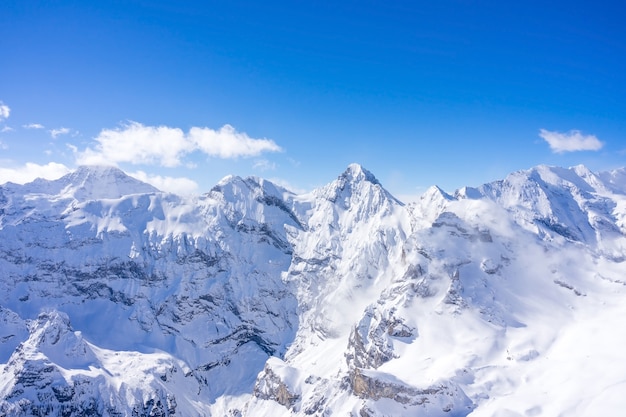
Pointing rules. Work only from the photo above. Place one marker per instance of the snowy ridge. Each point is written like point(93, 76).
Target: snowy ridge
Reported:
point(85, 183)
point(118, 299)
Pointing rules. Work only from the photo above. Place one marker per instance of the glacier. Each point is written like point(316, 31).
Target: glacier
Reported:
point(506, 299)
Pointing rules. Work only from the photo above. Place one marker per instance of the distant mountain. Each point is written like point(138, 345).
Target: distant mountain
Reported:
point(500, 300)
point(86, 183)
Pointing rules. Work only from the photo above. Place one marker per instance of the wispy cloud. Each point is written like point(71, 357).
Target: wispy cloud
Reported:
point(29, 171)
point(264, 165)
point(55, 133)
point(3, 145)
point(6, 129)
point(33, 126)
point(4, 111)
point(166, 146)
point(571, 141)
point(177, 185)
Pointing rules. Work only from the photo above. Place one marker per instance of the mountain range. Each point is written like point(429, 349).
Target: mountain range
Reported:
point(507, 299)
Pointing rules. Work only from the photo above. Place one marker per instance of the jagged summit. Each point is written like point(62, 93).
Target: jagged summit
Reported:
point(434, 191)
point(251, 182)
point(235, 188)
point(573, 203)
point(615, 179)
point(95, 182)
point(467, 193)
point(430, 205)
point(355, 173)
point(83, 172)
point(253, 301)
point(355, 183)
point(88, 183)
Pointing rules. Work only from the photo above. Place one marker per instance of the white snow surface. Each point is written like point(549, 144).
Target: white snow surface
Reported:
point(500, 300)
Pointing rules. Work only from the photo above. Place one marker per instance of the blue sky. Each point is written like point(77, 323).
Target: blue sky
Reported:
point(450, 93)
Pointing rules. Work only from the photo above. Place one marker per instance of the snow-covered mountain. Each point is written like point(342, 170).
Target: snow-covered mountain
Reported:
point(501, 300)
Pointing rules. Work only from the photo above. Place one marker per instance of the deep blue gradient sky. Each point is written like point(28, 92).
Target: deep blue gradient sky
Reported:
point(451, 92)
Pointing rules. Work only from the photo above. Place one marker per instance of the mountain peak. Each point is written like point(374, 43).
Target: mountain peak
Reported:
point(355, 186)
point(232, 185)
point(616, 179)
point(435, 190)
point(356, 173)
point(582, 170)
point(95, 182)
point(86, 170)
point(320, 303)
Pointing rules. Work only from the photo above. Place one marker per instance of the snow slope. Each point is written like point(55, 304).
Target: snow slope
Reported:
point(501, 300)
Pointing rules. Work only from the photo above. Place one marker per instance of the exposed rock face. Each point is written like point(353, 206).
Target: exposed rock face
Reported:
point(41, 385)
point(371, 340)
point(269, 386)
point(119, 300)
point(435, 398)
point(199, 279)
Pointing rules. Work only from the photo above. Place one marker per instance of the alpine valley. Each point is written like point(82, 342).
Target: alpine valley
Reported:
point(509, 299)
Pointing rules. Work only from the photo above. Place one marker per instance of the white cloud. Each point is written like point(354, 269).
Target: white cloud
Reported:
point(57, 132)
point(264, 165)
point(33, 126)
point(180, 185)
point(6, 129)
point(228, 143)
point(30, 171)
point(572, 141)
point(166, 146)
point(4, 111)
point(138, 144)
point(3, 145)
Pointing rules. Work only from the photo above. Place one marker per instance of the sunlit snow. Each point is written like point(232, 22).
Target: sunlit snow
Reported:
point(504, 299)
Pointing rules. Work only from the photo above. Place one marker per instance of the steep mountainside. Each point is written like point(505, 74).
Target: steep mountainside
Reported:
point(502, 300)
